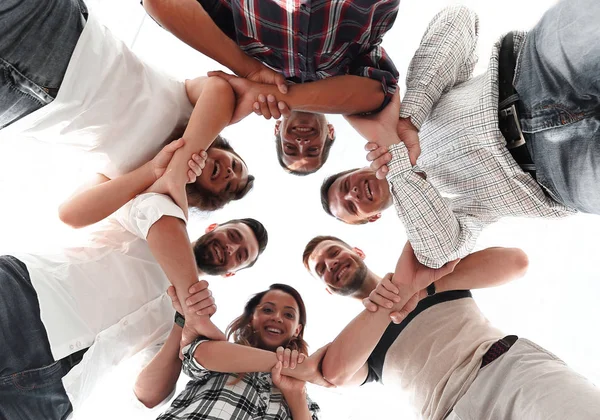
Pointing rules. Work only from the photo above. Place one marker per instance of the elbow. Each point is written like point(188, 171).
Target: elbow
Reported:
point(220, 89)
point(334, 372)
point(149, 399)
point(153, 7)
point(205, 354)
point(68, 217)
point(519, 261)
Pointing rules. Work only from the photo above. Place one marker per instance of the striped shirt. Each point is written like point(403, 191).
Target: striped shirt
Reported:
point(463, 151)
point(214, 395)
point(308, 40)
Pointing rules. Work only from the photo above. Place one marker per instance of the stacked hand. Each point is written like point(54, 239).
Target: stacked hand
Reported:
point(166, 183)
point(251, 97)
point(402, 290)
point(287, 358)
point(202, 305)
point(302, 368)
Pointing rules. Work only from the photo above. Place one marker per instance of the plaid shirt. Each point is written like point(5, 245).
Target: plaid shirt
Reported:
point(214, 395)
point(463, 151)
point(311, 40)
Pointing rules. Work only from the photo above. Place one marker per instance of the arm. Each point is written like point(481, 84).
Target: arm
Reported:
point(103, 196)
point(445, 58)
point(188, 21)
point(158, 379)
point(298, 405)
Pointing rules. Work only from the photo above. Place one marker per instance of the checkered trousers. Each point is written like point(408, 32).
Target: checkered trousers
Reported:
point(463, 152)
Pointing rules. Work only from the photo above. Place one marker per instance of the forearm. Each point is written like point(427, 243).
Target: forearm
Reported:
point(101, 200)
point(214, 103)
point(353, 346)
point(298, 405)
point(487, 268)
point(158, 379)
point(346, 95)
point(170, 246)
point(188, 21)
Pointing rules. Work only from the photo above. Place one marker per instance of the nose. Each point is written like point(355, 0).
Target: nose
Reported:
point(229, 174)
point(301, 140)
point(331, 264)
point(231, 248)
point(352, 195)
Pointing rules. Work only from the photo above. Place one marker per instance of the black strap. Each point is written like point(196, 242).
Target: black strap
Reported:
point(506, 73)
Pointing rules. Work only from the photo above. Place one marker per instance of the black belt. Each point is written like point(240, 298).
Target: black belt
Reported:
point(498, 349)
point(508, 98)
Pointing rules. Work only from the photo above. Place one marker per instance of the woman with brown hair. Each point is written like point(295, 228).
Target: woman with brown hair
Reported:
point(261, 374)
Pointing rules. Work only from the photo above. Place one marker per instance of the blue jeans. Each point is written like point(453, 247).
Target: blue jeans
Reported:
point(30, 379)
point(558, 80)
point(37, 39)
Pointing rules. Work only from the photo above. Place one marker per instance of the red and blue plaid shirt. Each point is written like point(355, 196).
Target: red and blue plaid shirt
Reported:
point(311, 40)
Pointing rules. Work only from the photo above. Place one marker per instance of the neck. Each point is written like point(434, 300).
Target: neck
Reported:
point(370, 283)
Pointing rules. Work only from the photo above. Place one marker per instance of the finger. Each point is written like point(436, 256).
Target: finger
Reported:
point(377, 153)
point(369, 306)
point(198, 287)
point(194, 166)
point(381, 160)
point(199, 160)
point(276, 372)
point(221, 74)
point(171, 292)
point(174, 145)
point(281, 84)
point(287, 353)
point(273, 109)
point(381, 300)
point(211, 310)
point(388, 285)
point(371, 146)
point(386, 294)
point(399, 316)
point(264, 107)
point(279, 353)
point(256, 108)
point(284, 109)
point(301, 358)
point(294, 359)
point(198, 297)
point(382, 172)
point(203, 304)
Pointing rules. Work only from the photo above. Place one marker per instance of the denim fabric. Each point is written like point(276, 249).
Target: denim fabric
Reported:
point(30, 379)
point(558, 79)
point(37, 38)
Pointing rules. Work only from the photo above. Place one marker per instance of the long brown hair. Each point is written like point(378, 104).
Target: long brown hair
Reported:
point(241, 327)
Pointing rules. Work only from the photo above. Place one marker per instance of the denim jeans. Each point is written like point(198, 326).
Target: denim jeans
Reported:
point(31, 385)
point(558, 80)
point(37, 38)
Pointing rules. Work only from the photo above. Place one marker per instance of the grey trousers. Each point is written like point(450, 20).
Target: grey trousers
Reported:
point(528, 383)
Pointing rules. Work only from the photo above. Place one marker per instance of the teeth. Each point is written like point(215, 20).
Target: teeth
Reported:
point(303, 129)
point(274, 330)
point(369, 193)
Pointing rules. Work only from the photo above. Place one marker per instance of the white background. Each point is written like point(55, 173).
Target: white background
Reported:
point(554, 305)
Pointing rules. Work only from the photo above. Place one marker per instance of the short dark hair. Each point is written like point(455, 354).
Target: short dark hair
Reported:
point(262, 237)
point(203, 199)
point(314, 242)
point(299, 172)
point(327, 183)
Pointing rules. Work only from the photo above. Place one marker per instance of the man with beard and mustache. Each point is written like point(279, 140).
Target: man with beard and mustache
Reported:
point(441, 349)
point(53, 306)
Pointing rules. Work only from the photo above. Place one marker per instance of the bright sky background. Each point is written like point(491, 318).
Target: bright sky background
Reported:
point(555, 305)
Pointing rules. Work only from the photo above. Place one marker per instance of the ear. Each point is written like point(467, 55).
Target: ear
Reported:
point(331, 132)
point(360, 253)
point(229, 274)
point(211, 227)
point(374, 218)
point(277, 127)
point(298, 330)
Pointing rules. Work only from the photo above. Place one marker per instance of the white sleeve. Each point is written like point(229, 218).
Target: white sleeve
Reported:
point(138, 215)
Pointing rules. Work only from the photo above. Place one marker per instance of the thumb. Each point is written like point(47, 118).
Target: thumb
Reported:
point(221, 74)
point(276, 372)
point(281, 83)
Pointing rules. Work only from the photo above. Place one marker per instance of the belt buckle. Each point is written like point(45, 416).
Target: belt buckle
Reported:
point(512, 112)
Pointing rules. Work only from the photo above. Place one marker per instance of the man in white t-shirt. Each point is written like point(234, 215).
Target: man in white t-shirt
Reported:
point(53, 306)
point(441, 349)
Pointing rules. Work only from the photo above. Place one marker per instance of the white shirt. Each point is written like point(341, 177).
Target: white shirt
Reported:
point(111, 105)
point(82, 291)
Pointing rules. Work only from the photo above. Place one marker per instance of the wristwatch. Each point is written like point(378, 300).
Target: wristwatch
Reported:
point(431, 289)
point(179, 319)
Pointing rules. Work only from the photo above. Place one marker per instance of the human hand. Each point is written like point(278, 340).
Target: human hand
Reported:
point(415, 276)
point(380, 128)
point(170, 185)
point(409, 135)
point(160, 162)
point(379, 156)
point(286, 384)
point(312, 368)
point(290, 358)
point(269, 107)
point(260, 73)
point(200, 300)
point(199, 326)
point(246, 93)
point(386, 295)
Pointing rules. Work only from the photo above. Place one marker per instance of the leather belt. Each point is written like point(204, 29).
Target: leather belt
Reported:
point(498, 349)
point(508, 118)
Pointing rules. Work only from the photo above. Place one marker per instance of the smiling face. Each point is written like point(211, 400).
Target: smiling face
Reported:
point(358, 196)
point(303, 138)
point(276, 320)
point(340, 267)
point(224, 173)
point(227, 248)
